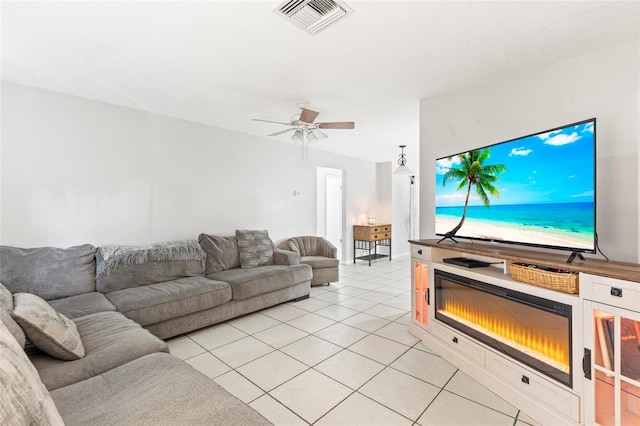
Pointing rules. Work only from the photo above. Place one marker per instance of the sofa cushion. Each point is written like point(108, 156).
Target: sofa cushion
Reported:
point(157, 389)
point(222, 252)
point(23, 400)
point(246, 283)
point(110, 339)
point(47, 329)
point(319, 262)
point(82, 304)
point(49, 272)
point(256, 248)
point(120, 267)
point(158, 302)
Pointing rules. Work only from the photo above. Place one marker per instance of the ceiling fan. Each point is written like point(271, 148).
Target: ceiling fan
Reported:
point(305, 130)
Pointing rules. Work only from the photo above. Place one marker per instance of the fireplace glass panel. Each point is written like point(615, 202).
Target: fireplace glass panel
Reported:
point(532, 330)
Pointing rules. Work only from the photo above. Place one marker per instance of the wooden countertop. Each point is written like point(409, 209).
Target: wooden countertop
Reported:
point(613, 269)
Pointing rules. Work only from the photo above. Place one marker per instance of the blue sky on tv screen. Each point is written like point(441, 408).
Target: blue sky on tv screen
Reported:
point(550, 167)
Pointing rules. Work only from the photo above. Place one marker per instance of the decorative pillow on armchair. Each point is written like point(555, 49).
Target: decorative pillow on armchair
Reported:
point(48, 330)
point(255, 247)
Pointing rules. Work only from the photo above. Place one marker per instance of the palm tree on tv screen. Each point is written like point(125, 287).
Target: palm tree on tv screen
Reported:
point(472, 172)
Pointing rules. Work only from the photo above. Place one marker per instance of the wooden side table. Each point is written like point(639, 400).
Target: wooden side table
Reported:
point(368, 238)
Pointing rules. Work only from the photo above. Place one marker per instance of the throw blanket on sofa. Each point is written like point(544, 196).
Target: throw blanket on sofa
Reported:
point(110, 257)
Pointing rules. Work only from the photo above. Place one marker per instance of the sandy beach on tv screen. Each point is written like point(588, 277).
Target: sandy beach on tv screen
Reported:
point(486, 230)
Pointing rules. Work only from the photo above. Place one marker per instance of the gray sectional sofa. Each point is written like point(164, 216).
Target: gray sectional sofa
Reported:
point(121, 301)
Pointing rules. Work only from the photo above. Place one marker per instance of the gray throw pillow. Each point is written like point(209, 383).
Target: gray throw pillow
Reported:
point(24, 399)
point(48, 330)
point(222, 252)
point(255, 248)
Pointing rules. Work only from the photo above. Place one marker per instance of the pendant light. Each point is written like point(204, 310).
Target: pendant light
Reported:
point(402, 161)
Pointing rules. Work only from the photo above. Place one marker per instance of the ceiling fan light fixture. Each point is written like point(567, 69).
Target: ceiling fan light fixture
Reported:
point(319, 134)
point(304, 127)
point(297, 136)
point(311, 137)
point(313, 15)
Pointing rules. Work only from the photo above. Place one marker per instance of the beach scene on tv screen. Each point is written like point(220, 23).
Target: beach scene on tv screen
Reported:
point(537, 190)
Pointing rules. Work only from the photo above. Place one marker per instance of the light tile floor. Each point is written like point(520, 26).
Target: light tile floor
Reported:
point(343, 357)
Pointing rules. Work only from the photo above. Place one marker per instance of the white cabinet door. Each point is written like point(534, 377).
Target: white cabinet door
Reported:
point(420, 285)
point(421, 296)
point(612, 393)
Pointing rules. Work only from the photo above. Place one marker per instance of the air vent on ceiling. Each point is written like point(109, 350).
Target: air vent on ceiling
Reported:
point(313, 15)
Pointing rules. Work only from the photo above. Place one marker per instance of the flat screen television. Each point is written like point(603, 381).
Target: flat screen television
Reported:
point(536, 190)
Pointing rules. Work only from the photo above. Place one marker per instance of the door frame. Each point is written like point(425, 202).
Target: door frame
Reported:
point(323, 173)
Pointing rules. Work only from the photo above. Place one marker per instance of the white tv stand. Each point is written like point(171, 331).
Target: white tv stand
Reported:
point(599, 393)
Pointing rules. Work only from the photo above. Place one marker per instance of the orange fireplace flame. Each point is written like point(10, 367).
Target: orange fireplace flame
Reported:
point(506, 328)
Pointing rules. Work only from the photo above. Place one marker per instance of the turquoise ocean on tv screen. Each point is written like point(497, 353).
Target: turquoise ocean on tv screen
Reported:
point(576, 218)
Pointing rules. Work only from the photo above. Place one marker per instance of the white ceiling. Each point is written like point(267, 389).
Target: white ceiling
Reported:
point(222, 63)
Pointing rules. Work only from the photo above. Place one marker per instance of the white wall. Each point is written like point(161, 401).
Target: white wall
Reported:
point(603, 85)
point(78, 171)
point(384, 194)
point(392, 207)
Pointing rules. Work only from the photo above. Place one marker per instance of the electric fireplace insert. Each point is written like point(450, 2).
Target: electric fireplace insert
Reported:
point(529, 329)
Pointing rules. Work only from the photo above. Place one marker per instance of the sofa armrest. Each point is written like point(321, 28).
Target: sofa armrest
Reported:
point(285, 257)
point(326, 249)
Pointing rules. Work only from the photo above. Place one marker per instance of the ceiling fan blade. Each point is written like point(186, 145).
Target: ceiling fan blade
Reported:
point(307, 116)
point(281, 132)
point(337, 125)
point(269, 121)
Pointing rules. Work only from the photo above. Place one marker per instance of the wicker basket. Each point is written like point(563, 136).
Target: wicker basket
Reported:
point(564, 281)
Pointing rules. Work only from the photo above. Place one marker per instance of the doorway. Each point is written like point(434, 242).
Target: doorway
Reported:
point(330, 206)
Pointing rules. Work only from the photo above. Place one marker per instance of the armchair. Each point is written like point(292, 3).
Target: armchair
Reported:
point(318, 253)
